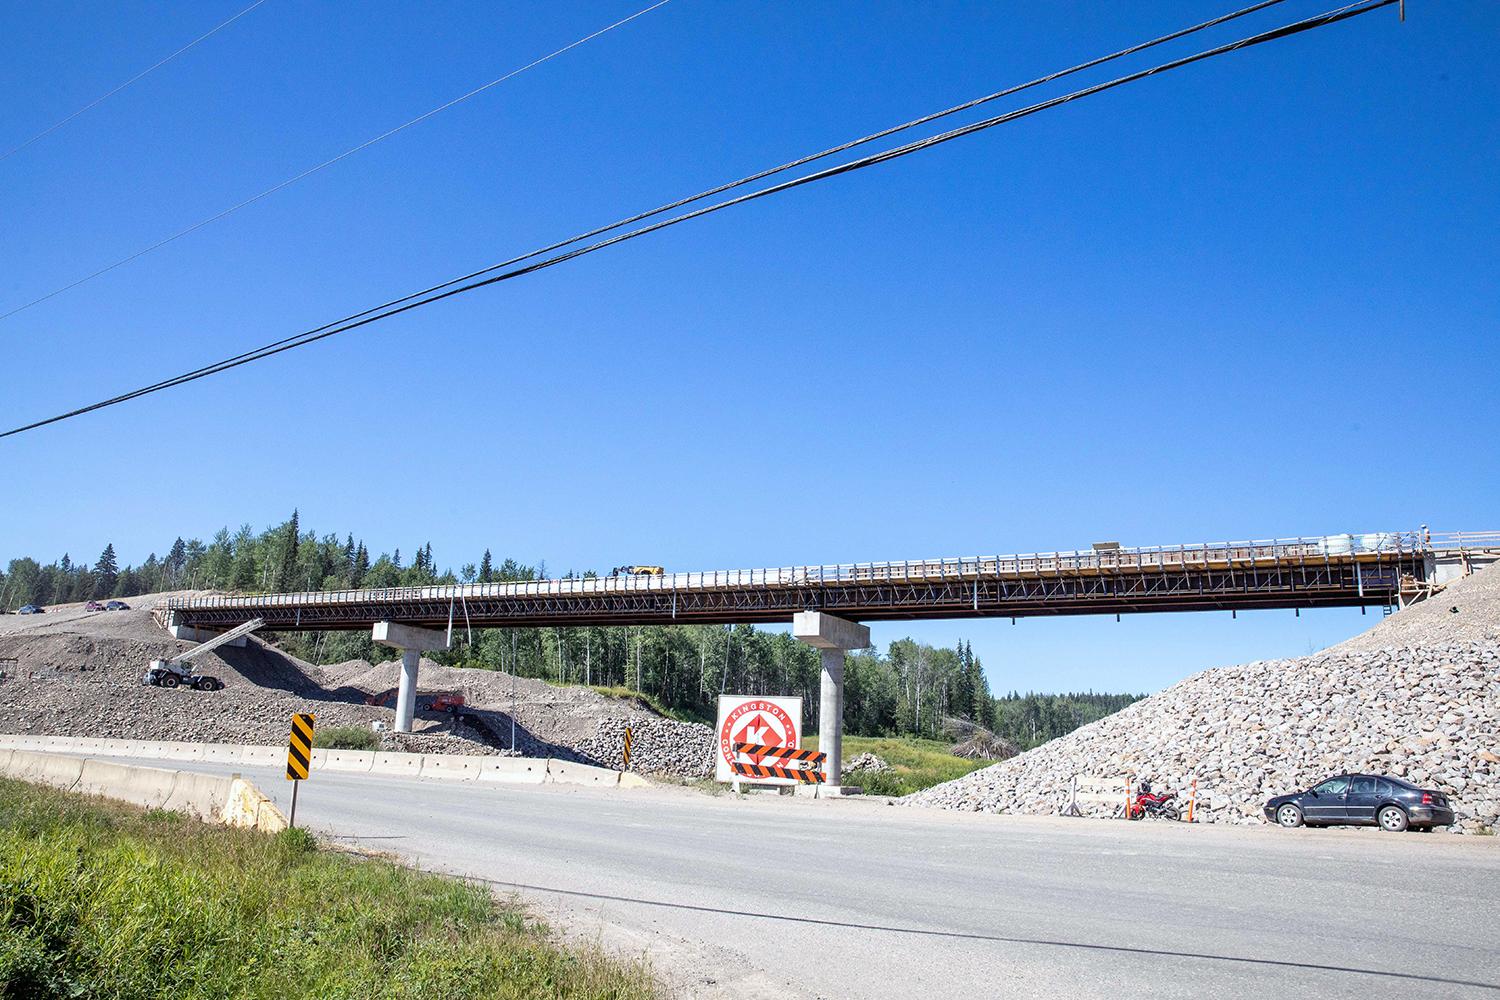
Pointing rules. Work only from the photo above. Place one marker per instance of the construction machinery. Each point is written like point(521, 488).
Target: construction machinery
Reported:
point(181, 671)
point(637, 571)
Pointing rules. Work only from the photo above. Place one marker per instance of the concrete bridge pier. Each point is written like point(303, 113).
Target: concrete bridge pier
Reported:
point(412, 642)
point(832, 637)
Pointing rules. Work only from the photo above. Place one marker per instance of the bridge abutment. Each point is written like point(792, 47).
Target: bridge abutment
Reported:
point(412, 642)
point(832, 637)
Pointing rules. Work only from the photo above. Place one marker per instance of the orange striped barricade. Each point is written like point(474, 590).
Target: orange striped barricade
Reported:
point(787, 763)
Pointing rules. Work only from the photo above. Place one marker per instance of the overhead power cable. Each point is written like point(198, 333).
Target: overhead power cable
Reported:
point(371, 316)
point(326, 163)
point(762, 175)
point(751, 178)
point(145, 72)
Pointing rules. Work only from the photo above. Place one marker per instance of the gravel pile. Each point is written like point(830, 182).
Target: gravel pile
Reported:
point(869, 763)
point(657, 746)
point(78, 674)
point(1418, 696)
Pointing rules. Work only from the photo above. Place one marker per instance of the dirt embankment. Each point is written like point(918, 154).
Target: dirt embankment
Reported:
point(78, 673)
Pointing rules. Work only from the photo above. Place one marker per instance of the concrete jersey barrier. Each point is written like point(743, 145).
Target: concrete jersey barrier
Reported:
point(230, 801)
point(431, 766)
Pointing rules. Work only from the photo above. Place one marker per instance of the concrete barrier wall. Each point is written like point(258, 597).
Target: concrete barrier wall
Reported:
point(434, 766)
point(568, 773)
point(513, 770)
point(229, 801)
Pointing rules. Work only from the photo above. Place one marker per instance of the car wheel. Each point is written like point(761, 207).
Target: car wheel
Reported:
point(1289, 816)
point(1392, 819)
point(170, 681)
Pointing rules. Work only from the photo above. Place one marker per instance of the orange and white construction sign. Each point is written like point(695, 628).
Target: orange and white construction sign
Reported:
point(775, 722)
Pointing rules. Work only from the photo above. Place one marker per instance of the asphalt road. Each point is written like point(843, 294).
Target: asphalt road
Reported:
point(768, 896)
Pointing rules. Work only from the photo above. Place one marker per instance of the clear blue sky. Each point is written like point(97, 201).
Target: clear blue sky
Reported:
point(1257, 297)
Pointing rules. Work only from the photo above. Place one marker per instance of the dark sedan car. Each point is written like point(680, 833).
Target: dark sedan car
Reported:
point(1363, 800)
point(117, 606)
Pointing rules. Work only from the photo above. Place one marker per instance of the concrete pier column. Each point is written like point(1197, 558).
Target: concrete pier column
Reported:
point(832, 636)
point(406, 693)
point(412, 642)
point(831, 716)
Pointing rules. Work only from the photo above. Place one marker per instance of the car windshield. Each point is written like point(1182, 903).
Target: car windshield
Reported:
point(1333, 786)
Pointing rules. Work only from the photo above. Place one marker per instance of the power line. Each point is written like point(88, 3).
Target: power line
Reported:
point(326, 163)
point(920, 145)
point(720, 189)
point(148, 70)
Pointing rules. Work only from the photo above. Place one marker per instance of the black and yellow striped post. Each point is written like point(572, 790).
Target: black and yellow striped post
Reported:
point(299, 756)
point(627, 749)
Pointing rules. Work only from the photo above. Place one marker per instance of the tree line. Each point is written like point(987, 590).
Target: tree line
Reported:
point(910, 689)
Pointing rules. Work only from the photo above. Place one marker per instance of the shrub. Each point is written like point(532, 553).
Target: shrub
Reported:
point(346, 738)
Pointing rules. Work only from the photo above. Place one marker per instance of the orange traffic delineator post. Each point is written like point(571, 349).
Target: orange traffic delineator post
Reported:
point(1193, 802)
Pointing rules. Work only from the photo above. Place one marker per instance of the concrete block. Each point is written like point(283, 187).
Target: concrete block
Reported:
point(449, 767)
point(182, 751)
point(148, 787)
point(56, 770)
point(319, 760)
point(513, 770)
point(829, 631)
point(359, 761)
point(247, 806)
point(408, 636)
point(407, 765)
point(200, 795)
point(257, 756)
point(564, 773)
point(223, 753)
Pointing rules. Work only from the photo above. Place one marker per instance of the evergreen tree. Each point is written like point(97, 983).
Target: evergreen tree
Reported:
point(106, 572)
point(286, 569)
point(486, 570)
point(176, 561)
point(361, 565)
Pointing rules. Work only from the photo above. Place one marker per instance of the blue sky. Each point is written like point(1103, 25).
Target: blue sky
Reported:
point(1254, 298)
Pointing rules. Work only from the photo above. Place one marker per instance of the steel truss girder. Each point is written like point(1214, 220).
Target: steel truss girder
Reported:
point(1289, 585)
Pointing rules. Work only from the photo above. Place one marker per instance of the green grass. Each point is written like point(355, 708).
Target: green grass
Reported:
point(918, 763)
point(644, 700)
point(101, 900)
point(346, 738)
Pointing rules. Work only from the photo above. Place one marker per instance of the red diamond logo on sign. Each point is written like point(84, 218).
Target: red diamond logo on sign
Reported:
point(759, 730)
point(756, 721)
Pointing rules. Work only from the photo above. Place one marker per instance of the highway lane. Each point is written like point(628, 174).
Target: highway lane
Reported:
point(776, 896)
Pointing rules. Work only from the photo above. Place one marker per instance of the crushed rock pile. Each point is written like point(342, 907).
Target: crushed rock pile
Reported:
point(869, 763)
point(78, 673)
point(1417, 696)
point(657, 746)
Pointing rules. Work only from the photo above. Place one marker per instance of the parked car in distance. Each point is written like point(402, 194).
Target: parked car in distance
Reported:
point(93, 606)
point(1362, 800)
point(30, 609)
point(116, 606)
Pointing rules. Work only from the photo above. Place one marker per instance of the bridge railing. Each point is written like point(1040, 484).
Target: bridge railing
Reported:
point(1466, 540)
point(1098, 560)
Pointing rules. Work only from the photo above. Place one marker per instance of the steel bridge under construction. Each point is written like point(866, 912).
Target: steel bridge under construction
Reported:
point(1383, 569)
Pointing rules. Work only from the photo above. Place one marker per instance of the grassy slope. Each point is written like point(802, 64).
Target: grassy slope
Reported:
point(104, 900)
point(918, 763)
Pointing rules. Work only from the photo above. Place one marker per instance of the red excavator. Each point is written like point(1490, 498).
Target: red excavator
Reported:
point(443, 701)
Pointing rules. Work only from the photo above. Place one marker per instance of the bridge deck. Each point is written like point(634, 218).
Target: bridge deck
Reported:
point(1331, 571)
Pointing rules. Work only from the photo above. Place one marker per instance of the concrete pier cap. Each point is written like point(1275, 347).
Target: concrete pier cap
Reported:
point(832, 637)
point(412, 642)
